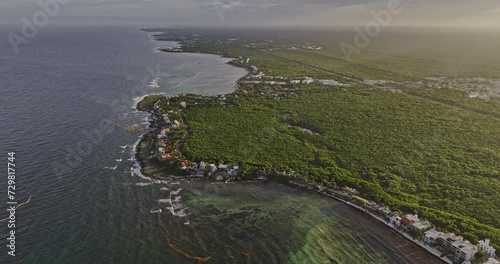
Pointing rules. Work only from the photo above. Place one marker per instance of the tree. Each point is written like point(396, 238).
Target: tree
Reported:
point(479, 255)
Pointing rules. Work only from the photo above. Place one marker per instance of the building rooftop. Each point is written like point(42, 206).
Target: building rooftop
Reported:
point(421, 225)
point(452, 237)
point(433, 233)
point(465, 245)
point(411, 217)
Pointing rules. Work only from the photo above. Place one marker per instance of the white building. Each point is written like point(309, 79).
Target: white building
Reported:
point(213, 168)
point(430, 237)
point(464, 250)
point(448, 239)
point(395, 220)
point(484, 245)
point(307, 80)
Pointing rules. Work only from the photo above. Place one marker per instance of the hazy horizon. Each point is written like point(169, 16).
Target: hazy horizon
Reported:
point(260, 13)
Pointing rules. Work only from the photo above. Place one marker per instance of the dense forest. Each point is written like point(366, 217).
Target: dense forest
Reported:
point(404, 152)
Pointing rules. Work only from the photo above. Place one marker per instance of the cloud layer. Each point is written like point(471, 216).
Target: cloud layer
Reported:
point(479, 13)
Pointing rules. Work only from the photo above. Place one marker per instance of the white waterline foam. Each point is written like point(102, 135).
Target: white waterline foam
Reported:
point(153, 84)
point(143, 183)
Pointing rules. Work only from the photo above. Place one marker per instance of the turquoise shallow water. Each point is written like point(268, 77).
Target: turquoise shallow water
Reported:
point(90, 207)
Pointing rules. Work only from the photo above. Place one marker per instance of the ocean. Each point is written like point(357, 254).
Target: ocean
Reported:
point(67, 111)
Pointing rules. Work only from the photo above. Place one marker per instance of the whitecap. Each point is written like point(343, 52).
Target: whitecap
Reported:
point(161, 181)
point(136, 167)
point(170, 209)
point(176, 192)
point(136, 100)
point(180, 213)
point(154, 83)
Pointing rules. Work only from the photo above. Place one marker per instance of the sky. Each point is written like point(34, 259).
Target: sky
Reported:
point(227, 13)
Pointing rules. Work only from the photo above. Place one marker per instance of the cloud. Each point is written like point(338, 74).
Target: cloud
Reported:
point(274, 12)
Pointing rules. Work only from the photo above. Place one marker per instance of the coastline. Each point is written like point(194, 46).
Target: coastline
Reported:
point(152, 131)
point(309, 187)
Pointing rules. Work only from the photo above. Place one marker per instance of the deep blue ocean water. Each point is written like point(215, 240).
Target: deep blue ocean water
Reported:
point(67, 111)
point(60, 87)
